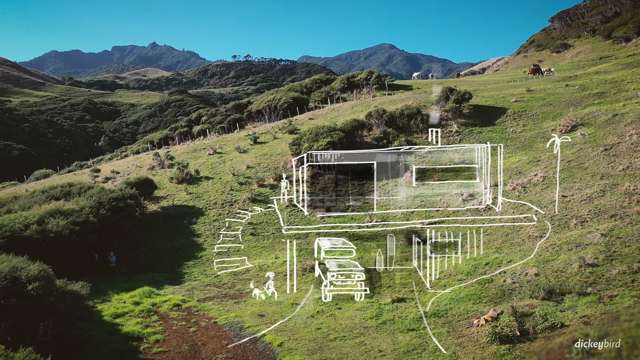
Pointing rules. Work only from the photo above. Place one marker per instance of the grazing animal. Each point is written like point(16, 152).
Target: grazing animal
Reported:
point(415, 76)
point(548, 71)
point(491, 315)
point(535, 70)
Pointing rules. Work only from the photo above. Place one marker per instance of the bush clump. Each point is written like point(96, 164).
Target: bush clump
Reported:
point(161, 161)
point(23, 353)
point(33, 299)
point(453, 102)
point(261, 197)
point(254, 138)
point(182, 174)
point(143, 185)
point(76, 230)
point(379, 128)
point(504, 331)
point(546, 318)
point(40, 175)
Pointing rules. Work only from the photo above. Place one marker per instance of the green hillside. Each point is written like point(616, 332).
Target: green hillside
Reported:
point(587, 281)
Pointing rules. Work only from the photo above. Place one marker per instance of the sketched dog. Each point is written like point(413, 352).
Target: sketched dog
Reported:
point(256, 293)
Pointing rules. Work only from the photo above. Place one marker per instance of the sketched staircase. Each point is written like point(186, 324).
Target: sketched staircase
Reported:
point(230, 240)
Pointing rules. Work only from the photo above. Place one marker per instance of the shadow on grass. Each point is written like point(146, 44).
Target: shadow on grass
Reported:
point(400, 87)
point(482, 115)
point(166, 241)
point(101, 340)
point(374, 280)
point(199, 179)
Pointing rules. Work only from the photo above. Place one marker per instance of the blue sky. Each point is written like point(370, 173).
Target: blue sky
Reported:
point(463, 30)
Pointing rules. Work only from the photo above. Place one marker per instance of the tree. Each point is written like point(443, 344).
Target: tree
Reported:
point(247, 57)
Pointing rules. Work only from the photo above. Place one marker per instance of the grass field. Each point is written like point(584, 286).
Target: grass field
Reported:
point(588, 266)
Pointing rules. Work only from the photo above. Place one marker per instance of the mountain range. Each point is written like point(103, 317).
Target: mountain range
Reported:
point(119, 59)
point(388, 58)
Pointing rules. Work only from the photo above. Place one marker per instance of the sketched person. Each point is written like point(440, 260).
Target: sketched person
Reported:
point(284, 189)
point(270, 286)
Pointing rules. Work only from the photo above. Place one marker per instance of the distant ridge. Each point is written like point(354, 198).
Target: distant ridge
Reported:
point(13, 74)
point(389, 59)
point(119, 59)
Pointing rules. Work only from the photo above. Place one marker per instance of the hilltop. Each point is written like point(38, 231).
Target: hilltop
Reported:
point(12, 74)
point(616, 20)
point(119, 59)
point(389, 59)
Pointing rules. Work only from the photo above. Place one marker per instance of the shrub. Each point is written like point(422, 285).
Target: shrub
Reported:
point(78, 223)
point(95, 170)
point(33, 299)
point(560, 47)
point(143, 185)
point(545, 318)
point(182, 174)
point(289, 128)
point(20, 354)
point(349, 135)
point(548, 289)
point(164, 161)
point(254, 138)
point(503, 331)
point(453, 102)
point(261, 197)
point(22, 279)
point(240, 149)
point(40, 175)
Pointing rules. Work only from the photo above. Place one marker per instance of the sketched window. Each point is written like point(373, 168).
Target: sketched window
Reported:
point(445, 174)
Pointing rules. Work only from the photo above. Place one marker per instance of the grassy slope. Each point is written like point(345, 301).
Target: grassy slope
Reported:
point(51, 91)
point(596, 83)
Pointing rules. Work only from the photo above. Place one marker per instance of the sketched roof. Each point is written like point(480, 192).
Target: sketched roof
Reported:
point(342, 265)
point(332, 243)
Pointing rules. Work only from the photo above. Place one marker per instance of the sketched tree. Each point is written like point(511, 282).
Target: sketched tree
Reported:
point(556, 141)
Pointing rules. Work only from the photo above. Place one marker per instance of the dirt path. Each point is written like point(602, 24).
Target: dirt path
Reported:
point(195, 336)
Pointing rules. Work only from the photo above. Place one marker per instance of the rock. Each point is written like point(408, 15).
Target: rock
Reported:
point(398, 299)
point(466, 196)
point(531, 272)
point(587, 261)
point(595, 237)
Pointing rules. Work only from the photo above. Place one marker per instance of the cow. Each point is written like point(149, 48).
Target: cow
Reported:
point(548, 71)
point(535, 70)
point(415, 76)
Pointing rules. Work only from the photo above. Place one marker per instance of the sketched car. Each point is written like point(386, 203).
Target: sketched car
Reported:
point(339, 274)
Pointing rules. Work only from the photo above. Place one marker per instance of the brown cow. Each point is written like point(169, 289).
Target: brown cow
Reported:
point(535, 70)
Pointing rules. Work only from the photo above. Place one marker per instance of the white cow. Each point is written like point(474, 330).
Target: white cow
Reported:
point(415, 76)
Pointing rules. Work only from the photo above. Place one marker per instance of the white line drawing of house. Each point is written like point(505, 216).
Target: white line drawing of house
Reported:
point(399, 179)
